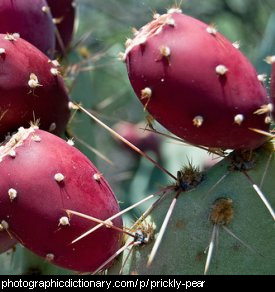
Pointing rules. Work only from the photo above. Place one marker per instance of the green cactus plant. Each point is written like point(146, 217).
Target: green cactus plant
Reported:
point(20, 261)
point(216, 221)
point(244, 239)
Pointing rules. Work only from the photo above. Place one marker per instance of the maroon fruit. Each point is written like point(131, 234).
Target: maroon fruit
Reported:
point(6, 242)
point(30, 20)
point(196, 83)
point(41, 177)
point(63, 12)
point(272, 83)
point(30, 87)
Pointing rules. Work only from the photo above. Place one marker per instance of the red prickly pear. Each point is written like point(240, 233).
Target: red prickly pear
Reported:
point(30, 87)
point(272, 83)
point(30, 19)
point(51, 176)
point(196, 83)
point(63, 12)
point(144, 140)
point(6, 242)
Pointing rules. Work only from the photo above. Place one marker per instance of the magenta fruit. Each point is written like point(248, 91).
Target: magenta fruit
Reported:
point(30, 87)
point(31, 20)
point(272, 83)
point(196, 83)
point(6, 242)
point(41, 177)
point(63, 12)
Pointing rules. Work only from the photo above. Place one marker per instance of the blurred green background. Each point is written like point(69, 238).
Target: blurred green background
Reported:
point(99, 81)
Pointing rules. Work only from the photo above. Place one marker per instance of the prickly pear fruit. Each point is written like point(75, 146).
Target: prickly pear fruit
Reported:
point(145, 141)
point(31, 20)
point(6, 241)
point(49, 176)
point(196, 83)
point(30, 87)
point(63, 12)
point(272, 84)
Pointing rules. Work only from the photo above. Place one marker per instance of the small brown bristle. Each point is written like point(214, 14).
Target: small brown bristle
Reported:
point(200, 256)
point(144, 232)
point(243, 160)
point(188, 178)
point(222, 211)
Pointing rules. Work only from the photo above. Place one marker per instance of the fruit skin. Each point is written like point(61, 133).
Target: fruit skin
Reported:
point(34, 215)
point(185, 84)
point(272, 87)
point(6, 242)
point(27, 18)
point(63, 10)
point(19, 102)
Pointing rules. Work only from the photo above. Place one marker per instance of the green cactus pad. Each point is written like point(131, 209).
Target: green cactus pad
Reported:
point(183, 249)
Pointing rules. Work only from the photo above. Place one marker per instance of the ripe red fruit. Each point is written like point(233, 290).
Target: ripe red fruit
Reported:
point(63, 12)
point(196, 83)
point(41, 177)
point(30, 87)
point(27, 18)
point(6, 242)
point(272, 84)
